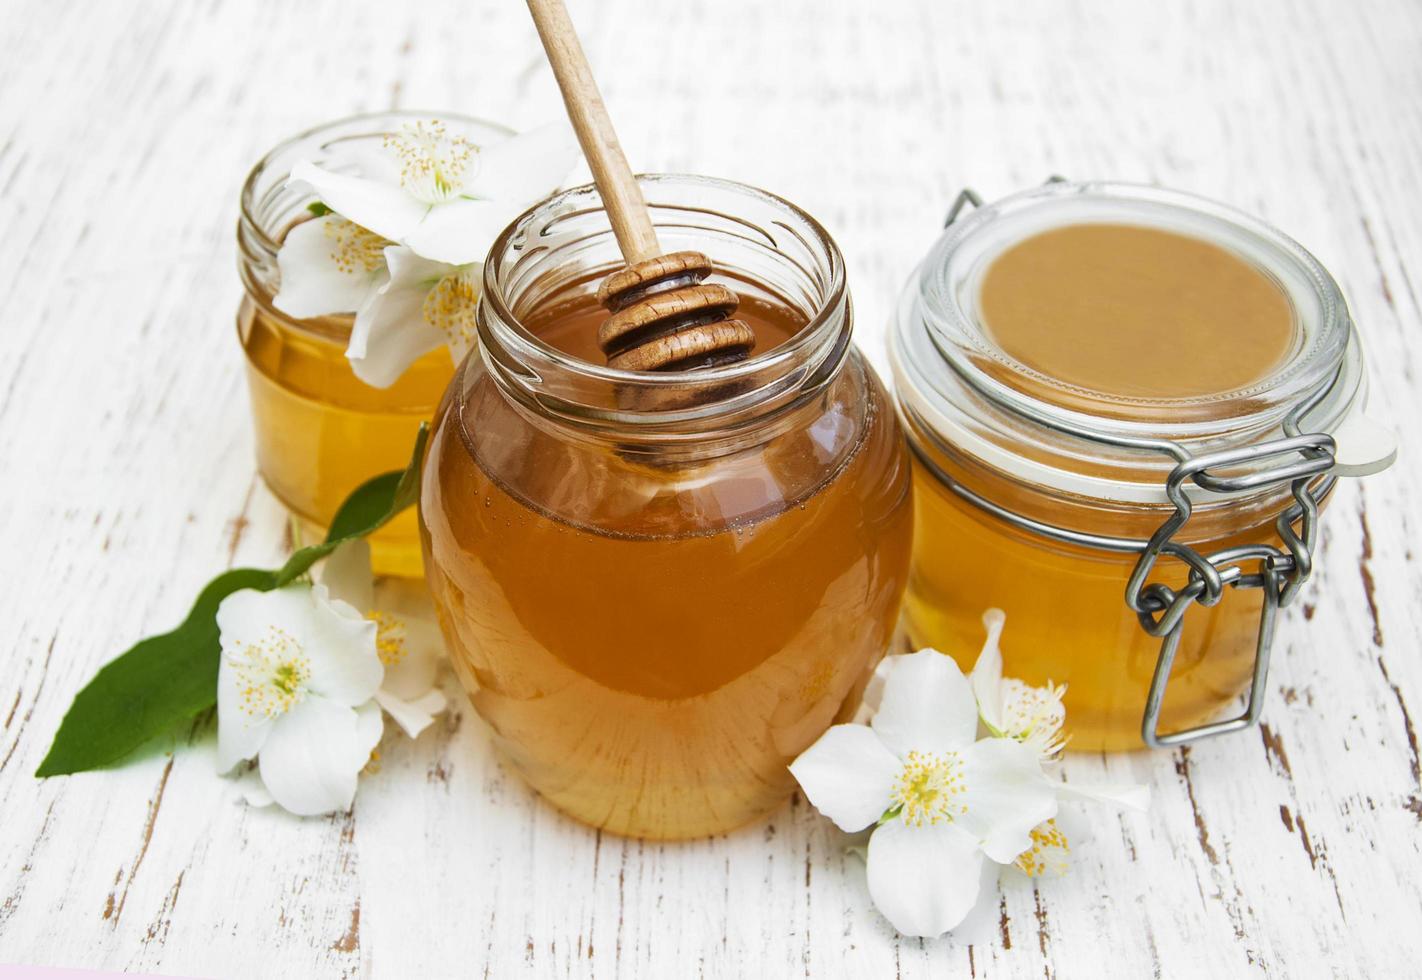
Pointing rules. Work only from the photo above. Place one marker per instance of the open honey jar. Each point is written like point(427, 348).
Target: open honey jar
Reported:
point(659, 588)
point(320, 430)
point(1128, 407)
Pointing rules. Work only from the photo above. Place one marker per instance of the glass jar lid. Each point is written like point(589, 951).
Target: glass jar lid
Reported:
point(1086, 337)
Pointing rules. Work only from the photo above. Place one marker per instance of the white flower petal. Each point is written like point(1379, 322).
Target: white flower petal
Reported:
point(928, 705)
point(1079, 830)
point(340, 644)
point(1005, 796)
point(415, 673)
point(313, 283)
point(1130, 796)
point(370, 725)
point(252, 790)
point(245, 618)
point(347, 575)
point(239, 734)
point(412, 676)
point(385, 208)
point(415, 715)
point(525, 168)
point(873, 694)
point(461, 231)
point(309, 761)
point(924, 880)
point(848, 775)
point(391, 331)
point(987, 672)
point(407, 598)
point(371, 159)
point(980, 926)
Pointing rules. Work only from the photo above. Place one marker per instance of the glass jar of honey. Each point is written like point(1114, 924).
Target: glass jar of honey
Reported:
point(659, 588)
point(320, 430)
point(1127, 407)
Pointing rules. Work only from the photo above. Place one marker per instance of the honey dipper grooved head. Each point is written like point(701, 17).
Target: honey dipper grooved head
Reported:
point(664, 318)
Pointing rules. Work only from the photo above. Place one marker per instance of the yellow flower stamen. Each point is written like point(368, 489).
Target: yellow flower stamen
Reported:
point(355, 249)
point(451, 304)
point(433, 164)
point(930, 789)
point(1049, 854)
point(1034, 715)
point(271, 674)
point(389, 637)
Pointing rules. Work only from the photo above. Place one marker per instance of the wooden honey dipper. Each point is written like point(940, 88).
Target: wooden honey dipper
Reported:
point(664, 316)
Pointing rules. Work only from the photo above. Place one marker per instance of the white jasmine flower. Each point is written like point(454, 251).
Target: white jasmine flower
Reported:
point(407, 639)
point(404, 246)
point(943, 802)
point(1032, 715)
point(981, 819)
point(294, 690)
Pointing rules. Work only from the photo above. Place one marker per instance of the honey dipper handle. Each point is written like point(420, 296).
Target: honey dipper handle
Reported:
point(620, 194)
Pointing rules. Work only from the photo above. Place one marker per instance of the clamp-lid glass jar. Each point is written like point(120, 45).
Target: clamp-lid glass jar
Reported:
point(320, 430)
point(660, 588)
point(1114, 390)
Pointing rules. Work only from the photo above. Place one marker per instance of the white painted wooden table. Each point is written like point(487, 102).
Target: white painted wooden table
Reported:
point(126, 479)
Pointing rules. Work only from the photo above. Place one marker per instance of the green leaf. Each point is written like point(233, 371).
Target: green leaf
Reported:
point(167, 679)
point(318, 209)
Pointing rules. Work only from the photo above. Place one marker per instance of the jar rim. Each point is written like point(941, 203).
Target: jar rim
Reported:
point(536, 222)
point(560, 248)
point(938, 356)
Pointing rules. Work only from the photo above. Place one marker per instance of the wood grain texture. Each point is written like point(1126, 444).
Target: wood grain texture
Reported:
point(125, 128)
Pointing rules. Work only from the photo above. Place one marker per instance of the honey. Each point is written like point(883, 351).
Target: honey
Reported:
point(321, 431)
point(1084, 368)
point(655, 613)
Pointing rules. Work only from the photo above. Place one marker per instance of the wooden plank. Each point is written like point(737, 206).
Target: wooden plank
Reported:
point(125, 130)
